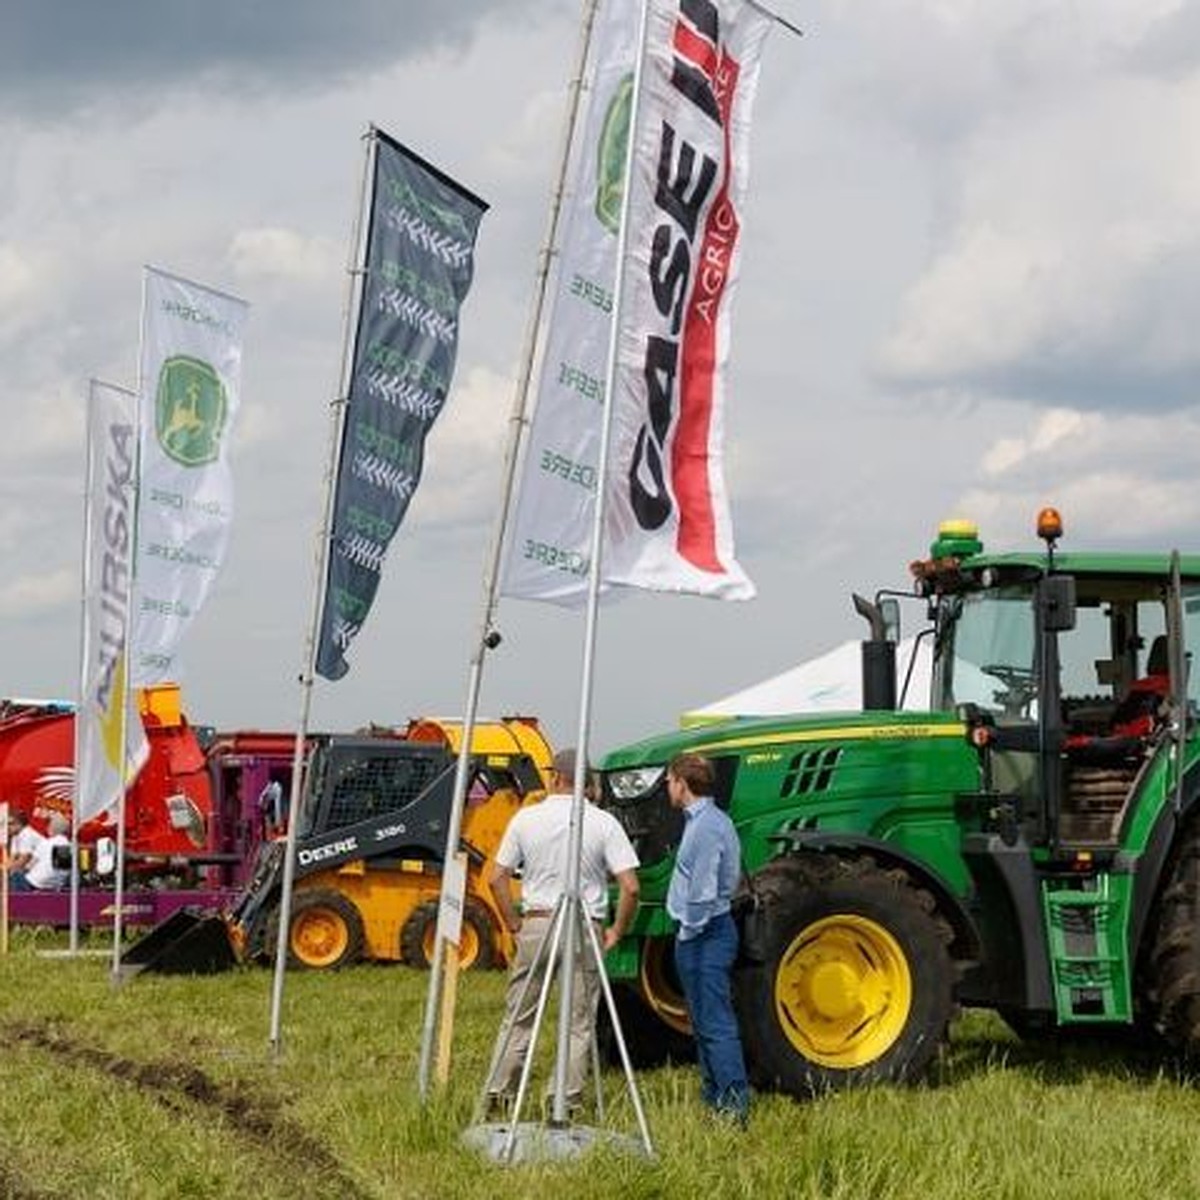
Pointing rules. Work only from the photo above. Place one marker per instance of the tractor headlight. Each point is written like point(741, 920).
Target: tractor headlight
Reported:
point(634, 782)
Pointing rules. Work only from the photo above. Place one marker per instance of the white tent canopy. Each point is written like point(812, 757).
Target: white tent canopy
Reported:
point(830, 683)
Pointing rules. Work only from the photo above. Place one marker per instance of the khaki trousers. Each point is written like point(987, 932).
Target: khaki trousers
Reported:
point(585, 993)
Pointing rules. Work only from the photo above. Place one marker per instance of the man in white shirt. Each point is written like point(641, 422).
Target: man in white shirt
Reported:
point(23, 846)
point(536, 843)
point(41, 874)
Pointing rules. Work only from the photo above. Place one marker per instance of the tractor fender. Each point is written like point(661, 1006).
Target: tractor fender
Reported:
point(967, 940)
point(1149, 867)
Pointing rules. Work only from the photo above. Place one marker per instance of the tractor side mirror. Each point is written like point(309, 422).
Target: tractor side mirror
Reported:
point(1058, 603)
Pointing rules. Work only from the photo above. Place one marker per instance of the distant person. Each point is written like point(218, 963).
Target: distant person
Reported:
point(42, 874)
point(708, 866)
point(24, 844)
point(270, 808)
point(536, 843)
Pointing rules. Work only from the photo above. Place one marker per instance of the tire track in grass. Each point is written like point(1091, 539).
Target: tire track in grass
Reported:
point(180, 1087)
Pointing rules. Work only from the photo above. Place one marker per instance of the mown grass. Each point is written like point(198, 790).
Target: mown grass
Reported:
point(165, 1088)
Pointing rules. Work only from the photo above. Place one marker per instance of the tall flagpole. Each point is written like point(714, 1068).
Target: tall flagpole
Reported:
point(84, 652)
point(126, 651)
point(355, 269)
point(575, 843)
point(445, 964)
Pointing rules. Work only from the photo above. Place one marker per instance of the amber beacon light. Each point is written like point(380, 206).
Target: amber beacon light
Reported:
point(1049, 525)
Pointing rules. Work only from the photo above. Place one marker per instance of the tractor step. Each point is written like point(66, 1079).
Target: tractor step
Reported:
point(1085, 921)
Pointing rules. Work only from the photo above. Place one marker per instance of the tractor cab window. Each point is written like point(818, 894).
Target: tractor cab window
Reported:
point(1191, 641)
point(986, 658)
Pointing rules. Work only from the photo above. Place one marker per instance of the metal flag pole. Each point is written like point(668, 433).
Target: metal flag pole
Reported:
point(572, 924)
point(126, 650)
point(355, 270)
point(438, 1016)
point(84, 653)
point(574, 901)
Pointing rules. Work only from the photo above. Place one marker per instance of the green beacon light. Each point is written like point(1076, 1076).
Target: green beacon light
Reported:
point(957, 538)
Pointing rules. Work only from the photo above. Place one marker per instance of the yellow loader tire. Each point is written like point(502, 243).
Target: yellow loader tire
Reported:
point(326, 931)
point(477, 942)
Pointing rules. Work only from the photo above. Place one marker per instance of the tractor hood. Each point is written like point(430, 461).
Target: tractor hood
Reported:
point(742, 734)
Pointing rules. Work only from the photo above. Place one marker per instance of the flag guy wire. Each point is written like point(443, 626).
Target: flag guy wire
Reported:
point(443, 971)
point(355, 269)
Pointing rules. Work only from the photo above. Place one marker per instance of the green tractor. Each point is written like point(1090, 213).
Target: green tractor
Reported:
point(1030, 844)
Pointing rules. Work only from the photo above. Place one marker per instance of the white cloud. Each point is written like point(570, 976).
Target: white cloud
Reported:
point(31, 595)
point(1066, 247)
point(283, 255)
point(463, 451)
point(1117, 480)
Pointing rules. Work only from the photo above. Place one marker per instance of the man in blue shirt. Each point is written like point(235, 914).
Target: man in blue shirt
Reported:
point(707, 869)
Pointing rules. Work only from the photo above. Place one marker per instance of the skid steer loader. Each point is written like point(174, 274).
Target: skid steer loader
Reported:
point(369, 847)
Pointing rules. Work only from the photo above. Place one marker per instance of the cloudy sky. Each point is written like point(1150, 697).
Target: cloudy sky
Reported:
point(971, 266)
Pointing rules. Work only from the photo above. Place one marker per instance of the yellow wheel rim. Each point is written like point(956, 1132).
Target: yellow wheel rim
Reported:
point(319, 937)
point(468, 944)
point(659, 986)
point(843, 992)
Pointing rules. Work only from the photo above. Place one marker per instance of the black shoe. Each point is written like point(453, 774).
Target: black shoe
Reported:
point(497, 1107)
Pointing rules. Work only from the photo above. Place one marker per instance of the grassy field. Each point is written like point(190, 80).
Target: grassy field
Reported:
point(165, 1088)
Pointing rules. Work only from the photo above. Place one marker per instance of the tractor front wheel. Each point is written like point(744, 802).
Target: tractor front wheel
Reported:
point(849, 980)
point(326, 931)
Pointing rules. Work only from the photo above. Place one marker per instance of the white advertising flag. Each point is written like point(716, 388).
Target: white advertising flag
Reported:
point(108, 563)
point(191, 381)
point(548, 554)
point(667, 524)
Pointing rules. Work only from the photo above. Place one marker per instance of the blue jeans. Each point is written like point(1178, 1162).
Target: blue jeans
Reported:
point(704, 964)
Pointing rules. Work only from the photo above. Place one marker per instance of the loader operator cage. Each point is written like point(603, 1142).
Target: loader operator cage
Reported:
point(355, 781)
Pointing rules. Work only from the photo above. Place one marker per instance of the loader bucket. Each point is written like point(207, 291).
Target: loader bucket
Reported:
point(188, 942)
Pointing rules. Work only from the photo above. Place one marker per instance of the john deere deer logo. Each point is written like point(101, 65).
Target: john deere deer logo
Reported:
point(610, 155)
point(190, 411)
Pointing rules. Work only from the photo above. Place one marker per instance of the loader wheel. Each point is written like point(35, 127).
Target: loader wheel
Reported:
point(1174, 962)
point(850, 978)
point(326, 931)
point(477, 941)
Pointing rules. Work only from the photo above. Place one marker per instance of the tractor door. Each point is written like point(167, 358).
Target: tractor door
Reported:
point(987, 660)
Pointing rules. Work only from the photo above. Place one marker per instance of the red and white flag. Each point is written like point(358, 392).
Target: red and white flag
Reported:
point(667, 523)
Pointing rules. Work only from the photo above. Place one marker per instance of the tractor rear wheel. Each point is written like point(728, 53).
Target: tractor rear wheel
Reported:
point(326, 931)
point(477, 940)
point(1174, 963)
point(849, 980)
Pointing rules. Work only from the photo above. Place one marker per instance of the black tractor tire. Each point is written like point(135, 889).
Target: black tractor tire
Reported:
point(326, 931)
point(478, 941)
point(1173, 974)
point(846, 979)
point(649, 1041)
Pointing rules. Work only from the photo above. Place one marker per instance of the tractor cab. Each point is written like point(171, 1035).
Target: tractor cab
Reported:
point(1070, 673)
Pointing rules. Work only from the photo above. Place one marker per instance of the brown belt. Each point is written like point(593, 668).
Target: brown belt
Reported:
point(538, 912)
